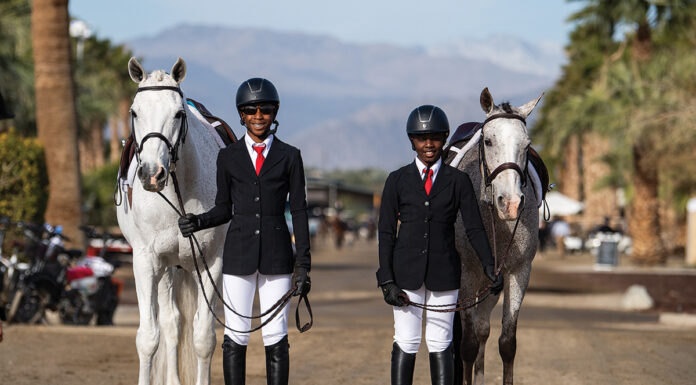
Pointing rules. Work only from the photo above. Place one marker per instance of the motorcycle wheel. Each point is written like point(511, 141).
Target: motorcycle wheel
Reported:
point(71, 313)
point(31, 306)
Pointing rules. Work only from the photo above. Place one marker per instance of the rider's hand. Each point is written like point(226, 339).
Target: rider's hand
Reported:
point(302, 281)
point(497, 279)
point(189, 225)
point(392, 293)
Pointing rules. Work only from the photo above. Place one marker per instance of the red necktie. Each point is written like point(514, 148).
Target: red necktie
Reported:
point(259, 156)
point(428, 180)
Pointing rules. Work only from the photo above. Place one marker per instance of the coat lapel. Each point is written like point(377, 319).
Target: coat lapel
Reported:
point(416, 179)
point(240, 156)
point(443, 179)
point(275, 155)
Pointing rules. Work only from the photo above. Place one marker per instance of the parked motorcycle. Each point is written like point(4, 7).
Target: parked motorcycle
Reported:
point(91, 290)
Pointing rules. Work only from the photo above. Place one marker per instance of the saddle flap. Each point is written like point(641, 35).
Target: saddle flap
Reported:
point(223, 129)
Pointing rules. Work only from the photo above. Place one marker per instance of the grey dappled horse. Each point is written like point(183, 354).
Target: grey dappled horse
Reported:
point(505, 139)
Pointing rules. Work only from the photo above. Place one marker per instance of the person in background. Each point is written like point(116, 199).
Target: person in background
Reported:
point(421, 263)
point(4, 114)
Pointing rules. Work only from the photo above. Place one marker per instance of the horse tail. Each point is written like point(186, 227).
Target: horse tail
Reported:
point(186, 295)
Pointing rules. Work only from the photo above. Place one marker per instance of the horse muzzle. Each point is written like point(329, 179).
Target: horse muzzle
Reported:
point(509, 206)
point(153, 177)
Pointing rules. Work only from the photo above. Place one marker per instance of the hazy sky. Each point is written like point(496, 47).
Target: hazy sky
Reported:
point(403, 22)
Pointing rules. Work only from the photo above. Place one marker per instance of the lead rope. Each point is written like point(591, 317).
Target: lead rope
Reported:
point(484, 292)
point(275, 309)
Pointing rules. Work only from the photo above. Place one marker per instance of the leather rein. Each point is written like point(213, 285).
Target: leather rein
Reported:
point(174, 157)
point(485, 291)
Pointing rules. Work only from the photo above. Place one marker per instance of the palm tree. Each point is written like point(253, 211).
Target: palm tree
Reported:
point(55, 112)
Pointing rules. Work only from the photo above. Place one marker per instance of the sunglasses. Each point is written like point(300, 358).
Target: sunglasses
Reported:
point(266, 109)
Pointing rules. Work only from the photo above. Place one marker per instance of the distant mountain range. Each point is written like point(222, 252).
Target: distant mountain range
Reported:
point(345, 105)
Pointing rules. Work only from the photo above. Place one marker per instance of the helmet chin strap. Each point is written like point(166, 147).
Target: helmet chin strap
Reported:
point(273, 130)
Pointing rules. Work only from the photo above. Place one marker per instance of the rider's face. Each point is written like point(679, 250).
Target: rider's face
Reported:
point(428, 147)
point(259, 122)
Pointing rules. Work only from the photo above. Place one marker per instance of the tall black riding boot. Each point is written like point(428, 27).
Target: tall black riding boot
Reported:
point(402, 365)
point(442, 367)
point(278, 362)
point(233, 362)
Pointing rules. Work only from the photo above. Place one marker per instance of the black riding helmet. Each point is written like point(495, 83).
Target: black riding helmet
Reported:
point(257, 90)
point(427, 119)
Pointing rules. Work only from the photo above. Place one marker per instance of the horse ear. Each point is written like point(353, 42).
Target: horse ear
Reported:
point(135, 70)
point(526, 109)
point(179, 70)
point(486, 101)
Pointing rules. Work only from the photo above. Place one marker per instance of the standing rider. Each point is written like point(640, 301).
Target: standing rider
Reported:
point(421, 263)
point(254, 177)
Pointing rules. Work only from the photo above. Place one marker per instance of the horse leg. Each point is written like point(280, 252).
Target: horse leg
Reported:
point(204, 325)
point(482, 325)
point(515, 288)
point(468, 348)
point(169, 322)
point(147, 337)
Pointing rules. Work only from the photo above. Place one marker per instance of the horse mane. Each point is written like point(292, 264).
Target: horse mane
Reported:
point(506, 107)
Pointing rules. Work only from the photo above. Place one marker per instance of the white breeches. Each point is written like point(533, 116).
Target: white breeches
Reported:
point(408, 321)
point(239, 293)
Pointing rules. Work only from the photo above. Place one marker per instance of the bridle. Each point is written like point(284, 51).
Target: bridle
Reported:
point(489, 176)
point(181, 138)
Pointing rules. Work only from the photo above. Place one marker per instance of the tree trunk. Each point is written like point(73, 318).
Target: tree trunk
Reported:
point(644, 225)
point(97, 147)
point(55, 113)
point(114, 139)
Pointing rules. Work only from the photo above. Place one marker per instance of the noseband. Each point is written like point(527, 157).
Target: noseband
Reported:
point(181, 138)
point(489, 176)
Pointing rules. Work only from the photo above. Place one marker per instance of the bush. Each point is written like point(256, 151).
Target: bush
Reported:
point(23, 178)
point(97, 195)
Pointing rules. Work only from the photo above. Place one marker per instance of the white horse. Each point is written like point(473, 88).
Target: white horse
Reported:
point(164, 271)
point(503, 140)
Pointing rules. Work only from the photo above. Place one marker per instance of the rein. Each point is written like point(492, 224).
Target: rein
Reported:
point(273, 310)
point(484, 292)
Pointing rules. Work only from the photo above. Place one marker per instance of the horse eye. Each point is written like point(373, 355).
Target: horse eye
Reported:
point(488, 142)
point(134, 114)
point(180, 115)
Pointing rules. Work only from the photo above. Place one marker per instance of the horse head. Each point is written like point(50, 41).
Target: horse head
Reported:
point(503, 151)
point(158, 121)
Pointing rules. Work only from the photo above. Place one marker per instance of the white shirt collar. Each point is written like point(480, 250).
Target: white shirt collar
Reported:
point(250, 143)
point(421, 166)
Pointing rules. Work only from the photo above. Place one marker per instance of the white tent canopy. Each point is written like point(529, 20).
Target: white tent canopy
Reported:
point(560, 204)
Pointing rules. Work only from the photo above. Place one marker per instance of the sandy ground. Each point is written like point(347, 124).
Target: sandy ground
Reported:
point(565, 336)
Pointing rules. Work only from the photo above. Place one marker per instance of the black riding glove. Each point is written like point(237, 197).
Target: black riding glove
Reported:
point(189, 225)
point(497, 280)
point(302, 281)
point(392, 294)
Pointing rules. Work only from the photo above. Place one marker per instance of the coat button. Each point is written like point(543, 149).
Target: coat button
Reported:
point(424, 251)
point(256, 199)
point(425, 235)
point(256, 232)
point(427, 203)
point(256, 182)
point(258, 215)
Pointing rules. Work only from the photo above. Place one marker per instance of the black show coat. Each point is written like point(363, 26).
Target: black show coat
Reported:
point(424, 250)
point(258, 236)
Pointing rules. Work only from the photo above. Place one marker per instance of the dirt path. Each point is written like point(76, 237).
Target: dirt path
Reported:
point(567, 338)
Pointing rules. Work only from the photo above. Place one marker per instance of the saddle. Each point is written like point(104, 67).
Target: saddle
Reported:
point(465, 132)
point(223, 129)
